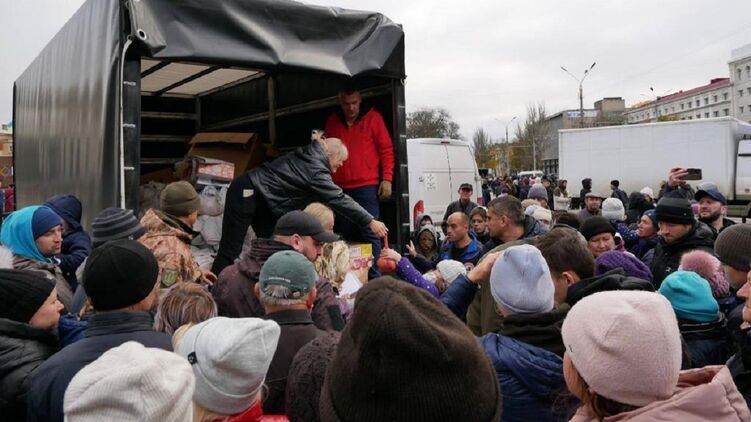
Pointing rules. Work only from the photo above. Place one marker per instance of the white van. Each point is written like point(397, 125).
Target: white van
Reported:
point(437, 167)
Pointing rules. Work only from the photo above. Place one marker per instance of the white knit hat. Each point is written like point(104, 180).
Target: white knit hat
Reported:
point(542, 214)
point(520, 281)
point(612, 209)
point(450, 270)
point(230, 358)
point(647, 191)
point(625, 345)
point(132, 383)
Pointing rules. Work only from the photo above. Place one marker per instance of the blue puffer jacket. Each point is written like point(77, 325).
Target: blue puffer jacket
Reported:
point(531, 380)
point(76, 242)
point(471, 254)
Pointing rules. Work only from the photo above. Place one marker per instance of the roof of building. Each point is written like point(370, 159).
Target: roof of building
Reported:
point(713, 84)
point(740, 53)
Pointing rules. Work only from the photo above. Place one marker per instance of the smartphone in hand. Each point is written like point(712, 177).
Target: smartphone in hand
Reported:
point(693, 174)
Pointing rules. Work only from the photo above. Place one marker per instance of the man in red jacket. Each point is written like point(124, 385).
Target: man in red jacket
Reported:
point(367, 174)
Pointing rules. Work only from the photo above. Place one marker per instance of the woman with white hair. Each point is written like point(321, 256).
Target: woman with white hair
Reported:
point(265, 193)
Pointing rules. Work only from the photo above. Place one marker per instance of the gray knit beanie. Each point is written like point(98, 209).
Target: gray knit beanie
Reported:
point(612, 209)
point(520, 281)
point(230, 358)
point(537, 191)
point(733, 246)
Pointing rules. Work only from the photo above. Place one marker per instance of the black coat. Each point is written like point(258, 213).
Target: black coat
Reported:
point(541, 330)
point(668, 256)
point(106, 331)
point(293, 181)
point(22, 349)
point(740, 367)
point(612, 280)
point(707, 343)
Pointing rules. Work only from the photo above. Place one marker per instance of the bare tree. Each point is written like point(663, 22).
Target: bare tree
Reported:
point(433, 122)
point(483, 150)
point(530, 139)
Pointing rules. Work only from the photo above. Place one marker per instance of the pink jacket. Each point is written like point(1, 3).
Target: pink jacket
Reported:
point(703, 394)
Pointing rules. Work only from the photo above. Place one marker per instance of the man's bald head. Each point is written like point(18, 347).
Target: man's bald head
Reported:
point(458, 227)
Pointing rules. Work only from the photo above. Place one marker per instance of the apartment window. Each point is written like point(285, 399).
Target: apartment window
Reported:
point(706, 115)
point(738, 71)
point(706, 100)
point(698, 116)
point(748, 71)
point(741, 109)
point(689, 104)
point(748, 90)
point(714, 98)
point(740, 92)
point(724, 95)
point(716, 114)
point(726, 111)
point(666, 111)
point(698, 103)
point(682, 106)
point(690, 118)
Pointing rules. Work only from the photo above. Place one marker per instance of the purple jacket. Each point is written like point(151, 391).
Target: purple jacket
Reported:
point(406, 271)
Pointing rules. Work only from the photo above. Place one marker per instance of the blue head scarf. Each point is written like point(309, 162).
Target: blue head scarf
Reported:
point(17, 233)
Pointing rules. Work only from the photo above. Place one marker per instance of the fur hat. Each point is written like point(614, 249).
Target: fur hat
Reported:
point(709, 268)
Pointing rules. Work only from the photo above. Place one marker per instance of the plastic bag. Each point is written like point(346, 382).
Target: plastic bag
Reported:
point(211, 202)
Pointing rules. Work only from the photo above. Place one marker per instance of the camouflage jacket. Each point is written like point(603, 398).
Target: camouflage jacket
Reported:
point(171, 246)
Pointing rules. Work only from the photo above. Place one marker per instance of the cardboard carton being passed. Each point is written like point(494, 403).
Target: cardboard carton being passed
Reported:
point(226, 155)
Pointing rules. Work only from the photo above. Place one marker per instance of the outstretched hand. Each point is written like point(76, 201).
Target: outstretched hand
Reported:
point(411, 249)
point(391, 254)
point(378, 228)
point(481, 272)
point(675, 178)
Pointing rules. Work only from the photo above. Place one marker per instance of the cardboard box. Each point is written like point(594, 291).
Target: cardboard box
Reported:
point(215, 169)
point(243, 150)
point(361, 259)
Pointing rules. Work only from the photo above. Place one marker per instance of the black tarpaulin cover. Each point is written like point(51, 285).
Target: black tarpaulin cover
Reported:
point(270, 34)
point(67, 102)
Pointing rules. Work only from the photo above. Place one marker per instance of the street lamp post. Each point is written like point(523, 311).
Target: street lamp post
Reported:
point(507, 125)
point(581, 91)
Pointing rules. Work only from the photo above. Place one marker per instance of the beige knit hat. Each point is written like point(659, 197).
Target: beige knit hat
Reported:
point(625, 345)
point(132, 383)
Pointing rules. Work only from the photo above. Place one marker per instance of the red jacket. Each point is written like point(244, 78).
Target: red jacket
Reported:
point(253, 414)
point(369, 144)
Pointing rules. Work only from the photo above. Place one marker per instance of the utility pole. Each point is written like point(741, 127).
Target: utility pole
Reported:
point(581, 91)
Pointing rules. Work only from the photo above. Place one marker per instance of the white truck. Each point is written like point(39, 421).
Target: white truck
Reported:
point(642, 155)
point(437, 167)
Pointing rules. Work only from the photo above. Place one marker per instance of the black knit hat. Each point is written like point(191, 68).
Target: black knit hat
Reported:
point(733, 247)
point(113, 224)
point(119, 274)
point(22, 293)
point(404, 356)
point(594, 226)
point(674, 209)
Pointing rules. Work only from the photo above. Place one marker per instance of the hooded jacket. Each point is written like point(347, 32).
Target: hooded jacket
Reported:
point(531, 379)
point(235, 296)
point(294, 180)
point(586, 188)
point(704, 394)
point(22, 349)
point(433, 231)
point(636, 207)
point(76, 242)
point(667, 257)
point(169, 240)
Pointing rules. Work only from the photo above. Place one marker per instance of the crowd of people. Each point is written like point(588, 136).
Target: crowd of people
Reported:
point(635, 307)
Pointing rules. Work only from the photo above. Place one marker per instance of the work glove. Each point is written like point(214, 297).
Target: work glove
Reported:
point(384, 191)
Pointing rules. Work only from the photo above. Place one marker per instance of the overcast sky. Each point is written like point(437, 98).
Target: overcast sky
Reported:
point(486, 60)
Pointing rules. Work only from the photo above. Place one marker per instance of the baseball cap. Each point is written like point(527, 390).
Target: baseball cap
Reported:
point(712, 193)
point(290, 269)
point(466, 186)
point(303, 224)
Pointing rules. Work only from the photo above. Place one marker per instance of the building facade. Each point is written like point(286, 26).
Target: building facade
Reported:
point(712, 100)
point(607, 112)
point(740, 74)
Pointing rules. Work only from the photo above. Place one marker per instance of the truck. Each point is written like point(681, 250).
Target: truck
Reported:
point(123, 87)
point(437, 168)
point(642, 155)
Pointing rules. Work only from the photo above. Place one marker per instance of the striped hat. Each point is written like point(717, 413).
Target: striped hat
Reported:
point(113, 224)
